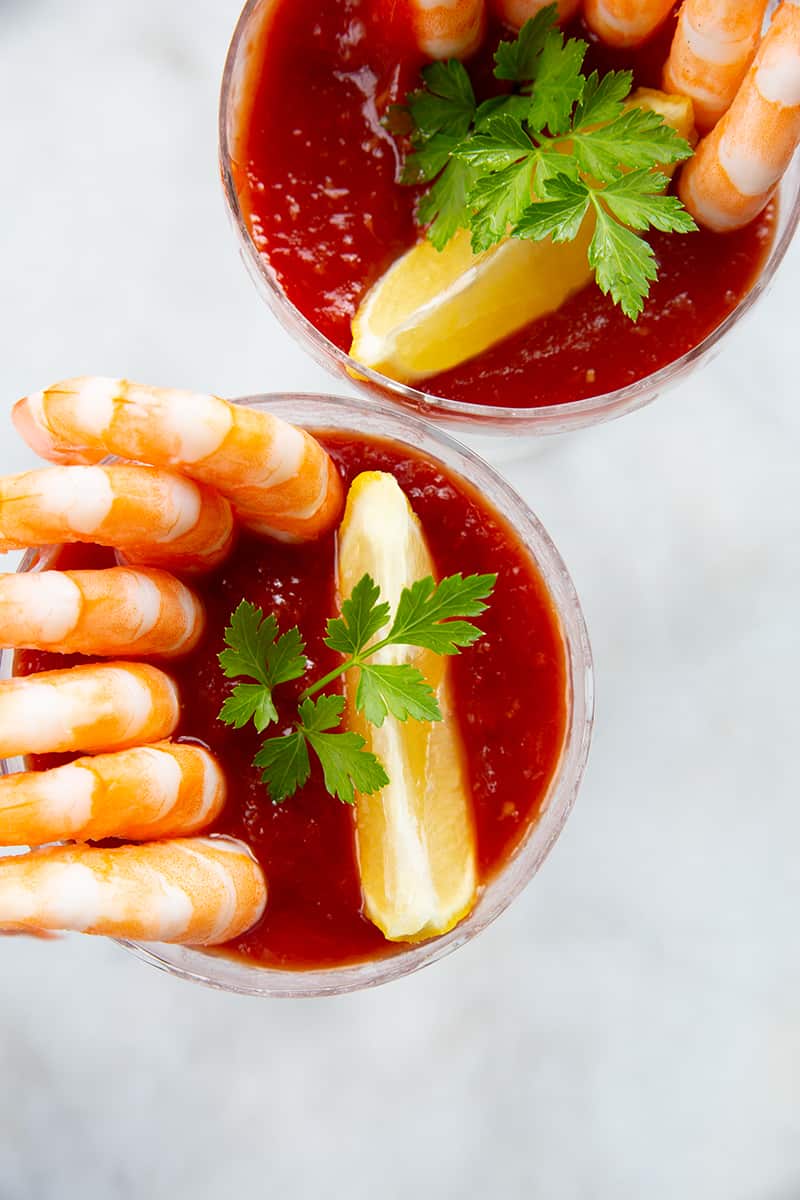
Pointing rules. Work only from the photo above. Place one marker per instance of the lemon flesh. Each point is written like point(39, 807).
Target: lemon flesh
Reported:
point(433, 310)
point(415, 839)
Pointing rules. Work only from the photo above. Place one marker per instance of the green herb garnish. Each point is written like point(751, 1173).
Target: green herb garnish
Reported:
point(561, 137)
point(428, 615)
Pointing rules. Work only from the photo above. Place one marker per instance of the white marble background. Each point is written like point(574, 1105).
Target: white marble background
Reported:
point(632, 1027)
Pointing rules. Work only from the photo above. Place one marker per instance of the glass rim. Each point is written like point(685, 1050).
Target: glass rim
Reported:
point(484, 418)
point(361, 416)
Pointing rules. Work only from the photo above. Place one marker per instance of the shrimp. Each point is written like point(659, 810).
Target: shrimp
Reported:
point(105, 707)
point(150, 516)
point(737, 167)
point(119, 611)
point(516, 12)
point(714, 45)
point(448, 28)
point(190, 891)
point(626, 22)
point(141, 794)
point(279, 479)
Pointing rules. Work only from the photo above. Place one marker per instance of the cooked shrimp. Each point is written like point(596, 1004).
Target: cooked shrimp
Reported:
point(191, 891)
point(105, 707)
point(119, 611)
point(278, 478)
point(142, 794)
point(448, 28)
point(516, 12)
point(150, 516)
point(626, 22)
point(736, 168)
point(713, 46)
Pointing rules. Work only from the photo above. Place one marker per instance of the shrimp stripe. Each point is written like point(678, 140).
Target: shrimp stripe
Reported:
point(737, 167)
point(142, 794)
point(447, 28)
point(100, 707)
point(264, 466)
point(714, 45)
point(626, 22)
point(150, 516)
point(189, 891)
point(119, 611)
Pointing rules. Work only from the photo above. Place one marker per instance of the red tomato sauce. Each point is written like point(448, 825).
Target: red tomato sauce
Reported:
point(317, 182)
point(510, 702)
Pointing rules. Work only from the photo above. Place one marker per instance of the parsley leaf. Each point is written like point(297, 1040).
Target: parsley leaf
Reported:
point(637, 139)
point(513, 105)
point(398, 689)
point(534, 162)
point(559, 216)
point(447, 102)
point(517, 60)
point(362, 617)
point(624, 264)
point(346, 765)
point(247, 637)
point(285, 764)
point(254, 650)
point(428, 160)
point(602, 99)
point(498, 201)
point(286, 658)
point(444, 207)
point(637, 200)
point(501, 143)
point(249, 702)
point(558, 83)
point(423, 609)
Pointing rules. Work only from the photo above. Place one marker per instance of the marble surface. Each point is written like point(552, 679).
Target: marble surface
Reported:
point(631, 1027)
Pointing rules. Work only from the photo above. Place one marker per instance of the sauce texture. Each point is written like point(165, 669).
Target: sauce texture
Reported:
point(510, 701)
point(318, 188)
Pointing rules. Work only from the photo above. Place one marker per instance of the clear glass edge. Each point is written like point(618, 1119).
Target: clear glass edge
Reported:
point(235, 974)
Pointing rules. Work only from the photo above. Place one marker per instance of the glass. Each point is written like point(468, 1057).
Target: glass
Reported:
point(466, 419)
point(365, 417)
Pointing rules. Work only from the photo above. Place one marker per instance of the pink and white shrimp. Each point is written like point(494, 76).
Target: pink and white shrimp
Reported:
point(713, 46)
point(112, 706)
point(516, 12)
point(189, 891)
point(150, 792)
point(447, 28)
point(626, 22)
point(737, 167)
point(279, 479)
point(121, 611)
point(152, 517)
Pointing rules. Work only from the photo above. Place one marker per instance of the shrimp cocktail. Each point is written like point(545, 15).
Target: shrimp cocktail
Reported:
point(316, 701)
point(512, 212)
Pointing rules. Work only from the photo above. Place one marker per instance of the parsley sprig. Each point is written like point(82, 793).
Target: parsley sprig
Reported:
point(428, 615)
point(534, 162)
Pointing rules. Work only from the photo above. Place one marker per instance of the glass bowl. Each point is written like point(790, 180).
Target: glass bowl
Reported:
point(370, 417)
point(469, 420)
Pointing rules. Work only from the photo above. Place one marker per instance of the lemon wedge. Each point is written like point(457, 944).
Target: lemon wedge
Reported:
point(435, 309)
point(415, 838)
